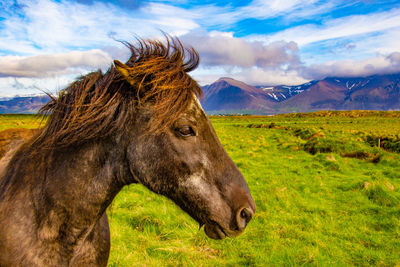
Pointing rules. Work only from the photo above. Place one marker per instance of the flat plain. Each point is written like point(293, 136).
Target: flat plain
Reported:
point(326, 186)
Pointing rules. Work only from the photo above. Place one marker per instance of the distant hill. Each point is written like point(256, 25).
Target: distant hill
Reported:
point(229, 95)
point(23, 104)
point(377, 92)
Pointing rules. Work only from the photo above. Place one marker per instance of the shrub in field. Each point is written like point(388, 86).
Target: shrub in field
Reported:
point(319, 145)
point(390, 143)
point(304, 133)
point(262, 125)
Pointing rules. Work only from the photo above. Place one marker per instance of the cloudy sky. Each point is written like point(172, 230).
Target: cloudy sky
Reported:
point(45, 44)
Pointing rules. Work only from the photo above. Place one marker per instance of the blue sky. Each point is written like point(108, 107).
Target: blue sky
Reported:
point(45, 44)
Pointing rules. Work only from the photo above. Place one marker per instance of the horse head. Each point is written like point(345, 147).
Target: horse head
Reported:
point(173, 149)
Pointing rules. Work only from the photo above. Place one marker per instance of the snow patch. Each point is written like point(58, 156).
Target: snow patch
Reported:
point(273, 96)
point(267, 88)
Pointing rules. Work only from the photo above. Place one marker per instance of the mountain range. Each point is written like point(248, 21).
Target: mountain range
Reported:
point(23, 104)
point(227, 95)
point(377, 92)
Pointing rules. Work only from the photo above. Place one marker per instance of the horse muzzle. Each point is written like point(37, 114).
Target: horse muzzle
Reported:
point(215, 230)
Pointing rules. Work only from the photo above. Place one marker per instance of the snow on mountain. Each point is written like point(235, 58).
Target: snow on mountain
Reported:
point(283, 92)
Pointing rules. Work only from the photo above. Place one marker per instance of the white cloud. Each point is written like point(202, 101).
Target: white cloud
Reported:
point(337, 28)
point(53, 64)
point(253, 76)
point(265, 9)
point(348, 68)
point(46, 26)
point(394, 59)
point(257, 76)
point(11, 86)
point(261, 9)
point(222, 49)
point(383, 43)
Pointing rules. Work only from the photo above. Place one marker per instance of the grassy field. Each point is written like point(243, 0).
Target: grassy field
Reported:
point(8, 121)
point(326, 185)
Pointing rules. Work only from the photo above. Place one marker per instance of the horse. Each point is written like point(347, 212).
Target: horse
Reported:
point(139, 122)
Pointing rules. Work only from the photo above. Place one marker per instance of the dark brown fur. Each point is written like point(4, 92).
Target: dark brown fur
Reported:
point(140, 122)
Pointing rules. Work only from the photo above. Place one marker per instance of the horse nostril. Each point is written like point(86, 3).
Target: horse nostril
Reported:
point(246, 214)
point(243, 218)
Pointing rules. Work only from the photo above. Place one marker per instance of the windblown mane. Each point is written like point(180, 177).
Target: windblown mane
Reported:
point(97, 105)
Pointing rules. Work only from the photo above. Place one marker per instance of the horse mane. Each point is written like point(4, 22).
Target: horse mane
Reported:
point(97, 105)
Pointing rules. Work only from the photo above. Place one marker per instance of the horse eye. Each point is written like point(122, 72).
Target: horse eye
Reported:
point(186, 131)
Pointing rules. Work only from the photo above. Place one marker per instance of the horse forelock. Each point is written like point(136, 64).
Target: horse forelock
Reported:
point(97, 105)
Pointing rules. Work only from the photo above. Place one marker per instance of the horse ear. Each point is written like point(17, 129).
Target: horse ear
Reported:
point(122, 69)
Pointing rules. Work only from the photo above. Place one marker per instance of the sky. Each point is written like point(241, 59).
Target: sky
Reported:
point(46, 44)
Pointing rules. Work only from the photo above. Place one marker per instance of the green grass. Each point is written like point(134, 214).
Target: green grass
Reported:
point(19, 121)
point(325, 196)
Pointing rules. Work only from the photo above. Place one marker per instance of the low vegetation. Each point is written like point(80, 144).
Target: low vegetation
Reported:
point(8, 121)
point(326, 185)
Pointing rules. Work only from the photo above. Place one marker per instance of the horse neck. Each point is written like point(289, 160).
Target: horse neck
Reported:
point(69, 189)
point(50, 202)
point(85, 179)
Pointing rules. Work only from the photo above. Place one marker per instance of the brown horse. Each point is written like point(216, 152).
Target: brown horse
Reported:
point(140, 122)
